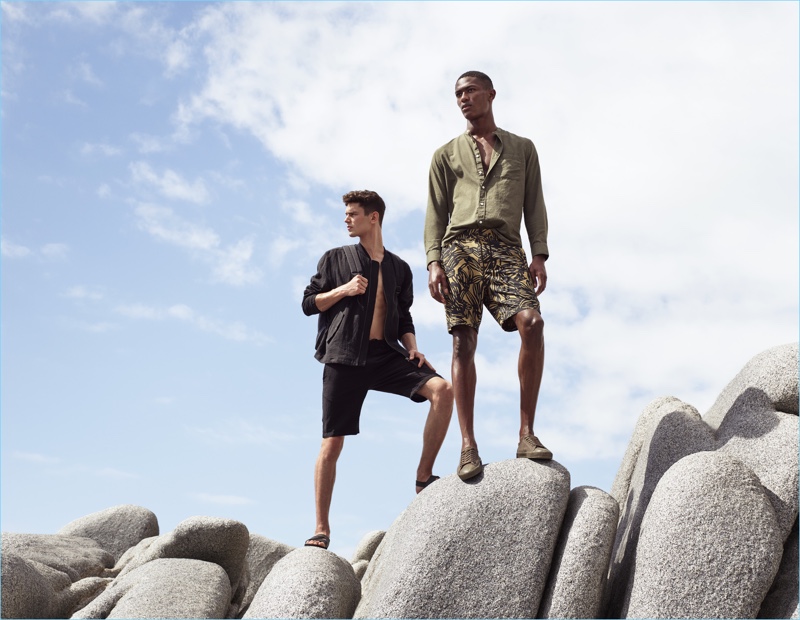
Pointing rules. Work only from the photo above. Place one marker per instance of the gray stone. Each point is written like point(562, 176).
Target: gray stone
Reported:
point(360, 568)
point(767, 442)
point(667, 431)
point(755, 419)
point(480, 548)
point(26, 592)
point(782, 599)
point(115, 529)
point(366, 548)
point(772, 373)
point(580, 563)
point(165, 588)
point(32, 590)
point(307, 583)
point(77, 557)
point(710, 528)
point(210, 539)
point(262, 555)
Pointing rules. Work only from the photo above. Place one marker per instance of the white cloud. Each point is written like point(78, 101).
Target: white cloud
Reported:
point(101, 327)
point(224, 500)
point(229, 330)
point(95, 12)
point(67, 96)
point(229, 265)
point(150, 144)
point(49, 251)
point(15, 11)
point(14, 250)
point(84, 72)
point(34, 457)
point(55, 250)
point(89, 148)
point(162, 223)
point(232, 264)
point(241, 431)
point(170, 184)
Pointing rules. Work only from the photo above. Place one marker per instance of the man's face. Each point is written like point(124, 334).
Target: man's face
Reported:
point(473, 97)
point(357, 222)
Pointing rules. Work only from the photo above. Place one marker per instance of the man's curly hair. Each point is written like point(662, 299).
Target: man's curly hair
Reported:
point(367, 200)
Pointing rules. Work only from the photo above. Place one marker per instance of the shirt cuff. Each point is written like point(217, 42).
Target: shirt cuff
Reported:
point(433, 256)
point(539, 248)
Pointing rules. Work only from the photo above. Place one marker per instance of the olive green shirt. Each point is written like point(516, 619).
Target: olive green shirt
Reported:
point(461, 195)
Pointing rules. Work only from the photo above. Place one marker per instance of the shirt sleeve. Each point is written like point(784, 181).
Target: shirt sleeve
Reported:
point(438, 212)
point(320, 283)
point(534, 208)
point(404, 301)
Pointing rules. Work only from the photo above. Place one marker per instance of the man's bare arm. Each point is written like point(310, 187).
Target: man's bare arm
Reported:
point(356, 286)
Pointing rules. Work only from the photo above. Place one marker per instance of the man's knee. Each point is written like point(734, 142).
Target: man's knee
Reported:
point(331, 448)
point(530, 325)
point(441, 392)
point(465, 341)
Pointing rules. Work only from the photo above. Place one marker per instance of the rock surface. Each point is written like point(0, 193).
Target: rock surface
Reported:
point(709, 523)
point(262, 554)
point(165, 588)
point(782, 599)
point(115, 529)
point(745, 423)
point(307, 583)
point(580, 563)
point(482, 548)
point(702, 520)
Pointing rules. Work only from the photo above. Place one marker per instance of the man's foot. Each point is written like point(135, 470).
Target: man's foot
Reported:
point(421, 485)
point(531, 448)
point(470, 465)
point(319, 540)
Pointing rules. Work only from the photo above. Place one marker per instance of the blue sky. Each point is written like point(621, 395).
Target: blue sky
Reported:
point(171, 173)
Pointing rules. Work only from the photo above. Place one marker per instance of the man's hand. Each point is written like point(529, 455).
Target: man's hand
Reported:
point(538, 273)
point(356, 286)
point(413, 354)
point(437, 282)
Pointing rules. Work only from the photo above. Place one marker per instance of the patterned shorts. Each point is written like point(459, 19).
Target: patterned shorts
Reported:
point(483, 270)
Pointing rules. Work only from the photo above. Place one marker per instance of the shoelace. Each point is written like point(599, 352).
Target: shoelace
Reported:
point(469, 455)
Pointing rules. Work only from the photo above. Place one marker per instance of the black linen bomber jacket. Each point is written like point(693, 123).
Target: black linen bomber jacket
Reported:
point(343, 329)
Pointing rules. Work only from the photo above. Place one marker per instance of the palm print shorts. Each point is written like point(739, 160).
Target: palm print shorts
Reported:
point(482, 269)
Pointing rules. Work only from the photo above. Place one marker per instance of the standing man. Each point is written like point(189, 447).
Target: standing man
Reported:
point(481, 184)
point(366, 340)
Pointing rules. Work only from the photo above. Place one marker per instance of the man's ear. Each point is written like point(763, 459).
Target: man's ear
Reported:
point(375, 217)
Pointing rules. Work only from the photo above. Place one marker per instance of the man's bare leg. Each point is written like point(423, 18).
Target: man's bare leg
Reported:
point(324, 478)
point(440, 394)
point(465, 377)
point(530, 367)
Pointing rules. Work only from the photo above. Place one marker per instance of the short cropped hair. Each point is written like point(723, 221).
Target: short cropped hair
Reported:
point(367, 200)
point(487, 81)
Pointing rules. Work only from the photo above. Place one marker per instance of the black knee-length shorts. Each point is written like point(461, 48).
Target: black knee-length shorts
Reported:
point(344, 387)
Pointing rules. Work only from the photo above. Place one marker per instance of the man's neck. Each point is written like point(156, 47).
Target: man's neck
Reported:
point(481, 127)
point(373, 244)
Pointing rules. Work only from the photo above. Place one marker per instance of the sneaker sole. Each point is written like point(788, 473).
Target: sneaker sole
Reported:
point(538, 456)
